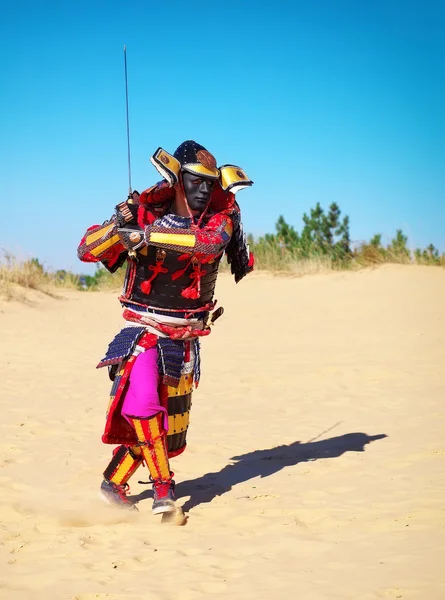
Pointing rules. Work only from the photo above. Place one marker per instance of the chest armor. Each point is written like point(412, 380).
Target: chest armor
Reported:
point(166, 291)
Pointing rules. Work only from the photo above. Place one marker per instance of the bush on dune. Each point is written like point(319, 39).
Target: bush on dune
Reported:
point(324, 244)
point(429, 256)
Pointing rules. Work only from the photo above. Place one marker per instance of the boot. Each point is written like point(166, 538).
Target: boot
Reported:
point(152, 443)
point(116, 494)
point(163, 496)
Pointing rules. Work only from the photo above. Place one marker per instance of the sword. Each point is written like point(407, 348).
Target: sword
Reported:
point(128, 123)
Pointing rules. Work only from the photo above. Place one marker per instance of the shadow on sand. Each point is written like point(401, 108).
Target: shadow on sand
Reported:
point(262, 463)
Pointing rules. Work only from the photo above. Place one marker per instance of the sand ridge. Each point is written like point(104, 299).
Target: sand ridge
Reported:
point(315, 466)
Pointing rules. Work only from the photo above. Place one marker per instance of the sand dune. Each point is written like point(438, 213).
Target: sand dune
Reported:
point(316, 459)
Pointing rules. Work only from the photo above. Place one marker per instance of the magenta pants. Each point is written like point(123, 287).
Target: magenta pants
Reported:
point(142, 398)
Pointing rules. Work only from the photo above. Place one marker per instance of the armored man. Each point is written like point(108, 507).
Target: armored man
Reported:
point(172, 242)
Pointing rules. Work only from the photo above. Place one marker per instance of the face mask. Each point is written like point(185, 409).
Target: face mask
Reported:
point(197, 191)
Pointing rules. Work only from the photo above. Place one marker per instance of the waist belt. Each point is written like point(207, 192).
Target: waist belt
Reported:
point(175, 332)
point(172, 326)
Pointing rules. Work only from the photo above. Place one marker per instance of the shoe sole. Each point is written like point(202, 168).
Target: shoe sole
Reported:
point(163, 509)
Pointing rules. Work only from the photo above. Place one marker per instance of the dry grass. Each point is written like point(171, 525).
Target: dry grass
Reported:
point(369, 255)
point(297, 268)
point(16, 277)
point(282, 262)
point(311, 266)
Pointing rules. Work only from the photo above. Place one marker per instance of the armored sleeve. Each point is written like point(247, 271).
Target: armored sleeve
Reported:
point(101, 243)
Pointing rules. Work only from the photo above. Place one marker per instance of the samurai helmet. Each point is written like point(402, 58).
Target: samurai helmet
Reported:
point(193, 158)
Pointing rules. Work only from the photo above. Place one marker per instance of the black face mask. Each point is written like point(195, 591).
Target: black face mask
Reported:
point(197, 191)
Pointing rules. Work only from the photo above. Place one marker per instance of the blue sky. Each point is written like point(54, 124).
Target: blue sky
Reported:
point(323, 101)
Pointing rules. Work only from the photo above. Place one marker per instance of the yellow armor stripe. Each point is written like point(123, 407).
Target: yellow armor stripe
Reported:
point(124, 463)
point(105, 245)
point(139, 431)
point(136, 450)
point(159, 448)
point(93, 237)
point(145, 451)
point(178, 423)
point(150, 462)
point(201, 170)
point(124, 470)
point(154, 451)
point(185, 386)
point(176, 239)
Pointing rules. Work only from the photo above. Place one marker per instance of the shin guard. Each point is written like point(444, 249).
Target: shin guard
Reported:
point(152, 443)
point(124, 463)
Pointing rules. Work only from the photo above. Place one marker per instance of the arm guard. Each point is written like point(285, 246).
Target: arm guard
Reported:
point(101, 243)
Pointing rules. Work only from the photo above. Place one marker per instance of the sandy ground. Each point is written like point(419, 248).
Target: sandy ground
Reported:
point(316, 460)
